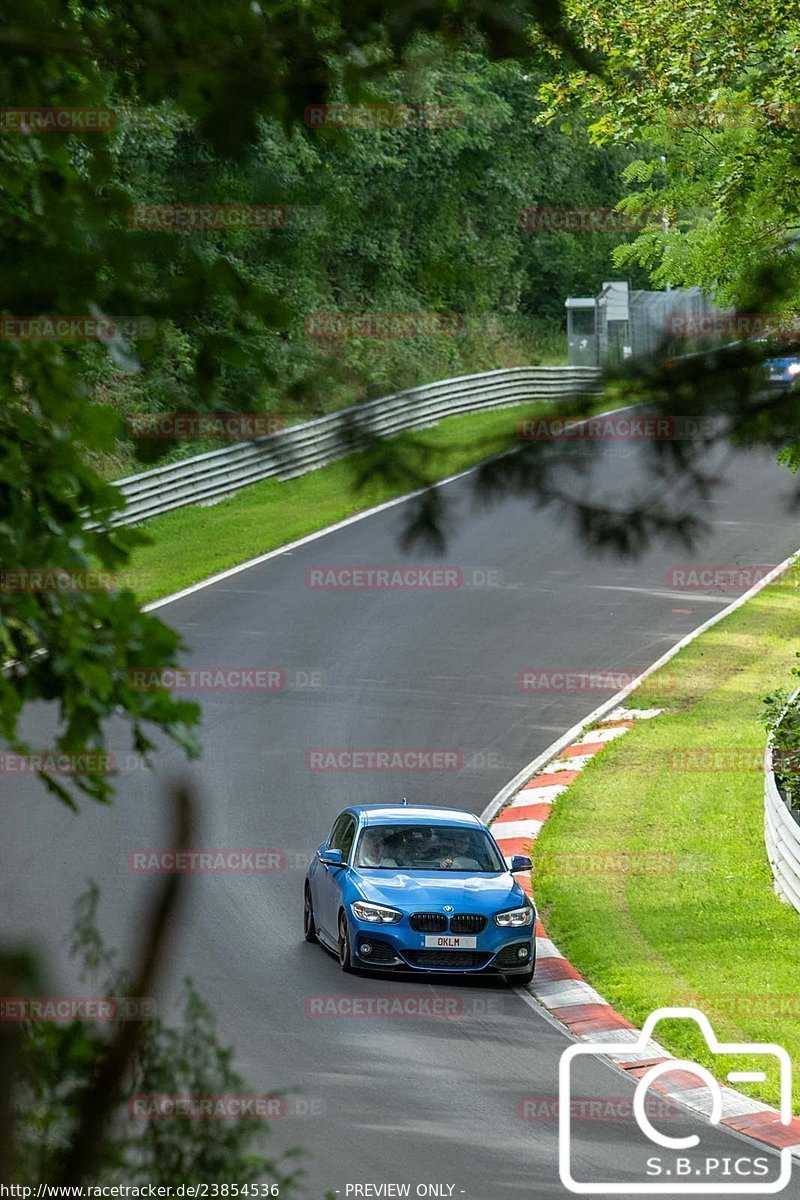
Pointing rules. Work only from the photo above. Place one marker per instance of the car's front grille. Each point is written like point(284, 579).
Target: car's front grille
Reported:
point(459, 960)
point(467, 923)
point(428, 922)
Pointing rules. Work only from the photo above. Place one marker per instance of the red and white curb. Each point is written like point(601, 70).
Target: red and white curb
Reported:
point(562, 989)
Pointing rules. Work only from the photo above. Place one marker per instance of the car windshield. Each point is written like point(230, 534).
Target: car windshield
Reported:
point(427, 848)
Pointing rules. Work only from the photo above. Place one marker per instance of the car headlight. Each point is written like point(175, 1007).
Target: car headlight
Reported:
point(793, 369)
point(376, 914)
point(515, 916)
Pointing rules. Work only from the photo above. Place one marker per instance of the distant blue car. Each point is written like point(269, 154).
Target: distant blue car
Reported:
point(782, 372)
point(419, 890)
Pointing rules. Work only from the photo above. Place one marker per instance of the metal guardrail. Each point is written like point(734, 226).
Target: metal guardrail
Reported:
point(218, 473)
point(782, 836)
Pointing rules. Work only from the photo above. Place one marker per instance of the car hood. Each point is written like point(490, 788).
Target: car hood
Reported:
point(421, 891)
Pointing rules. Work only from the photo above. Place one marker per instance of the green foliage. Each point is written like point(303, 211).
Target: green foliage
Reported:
point(781, 717)
point(683, 794)
point(208, 101)
point(57, 1063)
point(193, 543)
point(392, 220)
point(711, 98)
point(92, 638)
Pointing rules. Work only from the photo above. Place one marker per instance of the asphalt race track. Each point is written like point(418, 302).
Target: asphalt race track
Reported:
point(416, 1099)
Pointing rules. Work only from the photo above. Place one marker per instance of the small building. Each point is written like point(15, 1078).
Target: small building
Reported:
point(582, 331)
point(618, 323)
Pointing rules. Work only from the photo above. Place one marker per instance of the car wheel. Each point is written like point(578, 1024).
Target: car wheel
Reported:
point(521, 980)
point(309, 924)
point(345, 961)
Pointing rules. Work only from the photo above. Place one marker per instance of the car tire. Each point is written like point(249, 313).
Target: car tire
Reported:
point(345, 953)
point(521, 980)
point(309, 922)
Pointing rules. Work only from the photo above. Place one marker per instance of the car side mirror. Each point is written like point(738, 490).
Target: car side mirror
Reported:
point(331, 858)
point(519, 862)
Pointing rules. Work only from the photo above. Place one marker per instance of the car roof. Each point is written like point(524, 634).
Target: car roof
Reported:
point(378, 814)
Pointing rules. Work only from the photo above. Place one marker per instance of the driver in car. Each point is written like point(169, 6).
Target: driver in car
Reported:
point(459, 857)
point(373, 851)
point(411, 849)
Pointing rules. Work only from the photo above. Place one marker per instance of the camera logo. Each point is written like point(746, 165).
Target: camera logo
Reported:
point(700, 1174)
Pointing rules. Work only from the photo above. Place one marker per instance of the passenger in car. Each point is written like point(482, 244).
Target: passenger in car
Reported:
point(374, 851)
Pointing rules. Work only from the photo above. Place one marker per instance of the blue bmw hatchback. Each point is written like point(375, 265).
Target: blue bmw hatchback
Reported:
point(782, 372)
point(421, 890)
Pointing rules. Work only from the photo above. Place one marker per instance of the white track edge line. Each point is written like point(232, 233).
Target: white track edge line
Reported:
point(287, 547)
point(510, 789)
point(343, 524)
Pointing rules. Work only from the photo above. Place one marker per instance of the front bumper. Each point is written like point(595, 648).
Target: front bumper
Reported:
point(498, 951)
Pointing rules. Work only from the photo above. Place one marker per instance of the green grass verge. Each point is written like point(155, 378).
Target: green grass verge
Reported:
point(195, 542)
point(339, 376)
point(708, 930)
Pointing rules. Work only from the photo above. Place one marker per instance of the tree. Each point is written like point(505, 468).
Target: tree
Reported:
point(709, 108)
point(57, 1072)
point(206, 76)
point(209, 80)
point(712, 103)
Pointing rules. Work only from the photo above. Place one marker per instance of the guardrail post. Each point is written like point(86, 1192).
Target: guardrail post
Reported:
point(206, 478)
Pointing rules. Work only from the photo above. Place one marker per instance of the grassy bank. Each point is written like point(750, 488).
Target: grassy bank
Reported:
point(195, 542)
point(379, 369)
point(704, 926)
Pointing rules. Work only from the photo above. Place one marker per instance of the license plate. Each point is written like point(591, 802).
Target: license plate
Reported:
point(449, 941)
